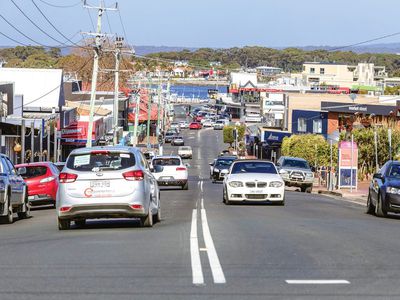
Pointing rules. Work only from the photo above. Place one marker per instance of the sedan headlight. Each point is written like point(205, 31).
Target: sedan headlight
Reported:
point(275, 184)
point(236, 184)
point(392, 190)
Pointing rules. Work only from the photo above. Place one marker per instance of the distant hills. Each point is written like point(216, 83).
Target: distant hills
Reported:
point(392, 48)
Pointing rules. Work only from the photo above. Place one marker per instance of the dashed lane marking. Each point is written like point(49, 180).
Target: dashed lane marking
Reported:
point(317, 281)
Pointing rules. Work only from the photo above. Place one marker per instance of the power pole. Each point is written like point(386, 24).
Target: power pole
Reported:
point(97, 49)
point(137, 111)
point(158, 108)
point(150, 96)
point(118, 46)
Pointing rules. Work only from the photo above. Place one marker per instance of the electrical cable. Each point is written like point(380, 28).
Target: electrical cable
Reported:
point(54, 27)
point(61, 6)
point(34, 24)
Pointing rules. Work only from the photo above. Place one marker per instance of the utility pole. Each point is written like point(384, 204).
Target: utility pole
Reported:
point(118, 46)
point(137, 111)
point(149, 100)
point(97, 49)
point(158, 108)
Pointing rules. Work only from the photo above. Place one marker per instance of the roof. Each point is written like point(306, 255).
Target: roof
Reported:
point(39, 87)
point(34, 164)
point(103, 148)
point(293, 158)
point(324, 63)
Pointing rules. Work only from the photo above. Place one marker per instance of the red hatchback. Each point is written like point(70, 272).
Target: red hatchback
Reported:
point(42, 181)
point(195, 125)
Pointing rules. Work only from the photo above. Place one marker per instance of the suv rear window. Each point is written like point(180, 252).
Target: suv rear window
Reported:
point(103, 161)
point(166, 162)
point(34, 171)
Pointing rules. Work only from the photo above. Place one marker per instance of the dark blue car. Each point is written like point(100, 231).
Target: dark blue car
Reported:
point(384, 190)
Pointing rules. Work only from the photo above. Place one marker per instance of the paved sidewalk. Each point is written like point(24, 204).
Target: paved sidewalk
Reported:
point(360, 195)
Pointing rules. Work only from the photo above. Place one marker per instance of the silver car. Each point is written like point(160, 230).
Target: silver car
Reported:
point(107, 182)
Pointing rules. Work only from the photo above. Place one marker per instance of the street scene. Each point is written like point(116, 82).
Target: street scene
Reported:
point(212, 170)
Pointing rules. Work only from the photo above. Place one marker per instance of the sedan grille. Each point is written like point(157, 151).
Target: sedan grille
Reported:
point(256, 196)
point(250, 184)
point(261, 184)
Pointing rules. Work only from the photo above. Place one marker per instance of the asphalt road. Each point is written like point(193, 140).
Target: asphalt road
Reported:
point(203, 249)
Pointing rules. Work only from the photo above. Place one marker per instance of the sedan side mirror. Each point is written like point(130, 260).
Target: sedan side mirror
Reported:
point(378, 176)
point(21, 171)
point(211, 164)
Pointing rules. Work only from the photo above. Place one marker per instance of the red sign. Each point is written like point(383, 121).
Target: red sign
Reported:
point(345, 158)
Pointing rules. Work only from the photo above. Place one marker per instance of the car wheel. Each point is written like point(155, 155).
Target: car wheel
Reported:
point(370, 209)
point(281, 203)
point(80, 223)
point(9, 217)
point(64, 224)
point(147, 221)
point(226, 200)
point(380, 211)
point(26, 208)
point(308, 189)
point(185, 186)
point(157, 217)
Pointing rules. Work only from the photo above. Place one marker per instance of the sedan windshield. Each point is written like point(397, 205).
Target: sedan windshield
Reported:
point(294, 163)
point(223, 162)
point(253, 167)
point(394, 171)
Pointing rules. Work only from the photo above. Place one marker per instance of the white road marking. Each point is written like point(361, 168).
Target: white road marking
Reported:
point(197, 271)
point(313, 281)
point(201, 186)
point(216, 269)
point(203, 249)
point(202, 203)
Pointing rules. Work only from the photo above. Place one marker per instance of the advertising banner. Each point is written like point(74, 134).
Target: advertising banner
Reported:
point(348, 162)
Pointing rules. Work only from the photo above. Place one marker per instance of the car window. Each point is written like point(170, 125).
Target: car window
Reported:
point(294, 163)
point(166, 162)
point(3, 166)
point(34, 171)
point(223, 162)
point(394, 171)
point(253, 167)
point(10, 166)
point(101, 161)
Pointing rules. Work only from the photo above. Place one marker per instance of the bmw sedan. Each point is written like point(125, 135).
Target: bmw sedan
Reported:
point(384, 190)
point(255, 181)
point(107, 182)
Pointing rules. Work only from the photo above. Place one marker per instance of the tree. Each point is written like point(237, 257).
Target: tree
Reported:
point(228, 133)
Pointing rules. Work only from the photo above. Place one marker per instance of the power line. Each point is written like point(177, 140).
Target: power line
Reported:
point(55, 28)
point(367, 41)
point(60, 6)
point(34, 24)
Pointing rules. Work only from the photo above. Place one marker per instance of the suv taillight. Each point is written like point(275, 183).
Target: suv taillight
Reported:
point(67, 177)
point(181, 169)
point(136, 175)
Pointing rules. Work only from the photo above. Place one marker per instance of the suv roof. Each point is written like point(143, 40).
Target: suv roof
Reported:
point(293, 158)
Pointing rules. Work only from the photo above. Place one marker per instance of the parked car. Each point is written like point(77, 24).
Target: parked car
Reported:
point(253, 180)
point(208, 123)
point(185, 152)
point(296, 172)
point(384, 190)
point(220, 166)
point(183, 124)
point(170, 171)
point(195, 125)
point(42, 181)
point(219, 125)
point(169, 136)
point(176, 126)
point(177, 141)
point(13, 192)
point(107, 182)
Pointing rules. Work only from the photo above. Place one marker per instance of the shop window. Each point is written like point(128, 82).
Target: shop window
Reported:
point(317, 126)
point(312, 70)
point(301, 125)
point(322, 71)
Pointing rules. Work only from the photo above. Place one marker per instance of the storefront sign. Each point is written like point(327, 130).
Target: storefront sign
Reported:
point(343, 107)
point(348, 162)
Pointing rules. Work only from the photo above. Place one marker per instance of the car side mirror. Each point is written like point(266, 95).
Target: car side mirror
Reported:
point(211, 164)
point(21, 171)
point(187, 165)
point(378, 176)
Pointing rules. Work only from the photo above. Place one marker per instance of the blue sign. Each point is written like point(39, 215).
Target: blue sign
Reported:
point(272, 137)
point(345, 177)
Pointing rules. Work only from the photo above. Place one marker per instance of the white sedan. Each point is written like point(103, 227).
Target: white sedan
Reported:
point(253, 180)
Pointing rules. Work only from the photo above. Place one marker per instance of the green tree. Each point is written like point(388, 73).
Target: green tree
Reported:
point(228, 133)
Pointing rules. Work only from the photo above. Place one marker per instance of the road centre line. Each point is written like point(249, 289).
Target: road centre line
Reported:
point(197, 271)
point(316, 281)
point(216, 269)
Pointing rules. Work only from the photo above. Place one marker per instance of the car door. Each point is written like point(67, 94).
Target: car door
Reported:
point(377, 183)
point(16, 183)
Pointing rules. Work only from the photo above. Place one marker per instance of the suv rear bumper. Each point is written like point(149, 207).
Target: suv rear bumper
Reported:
point(172, 182)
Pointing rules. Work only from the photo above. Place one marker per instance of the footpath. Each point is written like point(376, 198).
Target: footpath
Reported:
point(358, 195)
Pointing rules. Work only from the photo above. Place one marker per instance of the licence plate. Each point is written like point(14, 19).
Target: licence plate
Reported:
point(256, 191)
point(166, 178)
point(100, 183)
point(31, 197)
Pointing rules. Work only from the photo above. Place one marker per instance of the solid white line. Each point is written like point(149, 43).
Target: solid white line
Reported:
point(201, 186)
point(202, 203)
point(216, 269)
point(337, 281)
point(197, 272)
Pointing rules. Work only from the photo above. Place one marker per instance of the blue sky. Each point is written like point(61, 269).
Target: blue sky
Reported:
point(214, 23)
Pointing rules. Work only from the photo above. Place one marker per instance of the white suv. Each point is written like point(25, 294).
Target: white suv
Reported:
point(170, 171)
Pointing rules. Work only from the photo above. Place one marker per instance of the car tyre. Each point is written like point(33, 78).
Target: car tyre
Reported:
point(308, 189)
point(64, 224)
point(147, 221)
point(225, 198)
point(9, 218)
point(281, 203)
point(26, 209)
point(380, 211)
point(185, 186)
point(370, 208)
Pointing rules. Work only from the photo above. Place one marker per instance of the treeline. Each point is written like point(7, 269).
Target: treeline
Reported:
point(290, 59)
